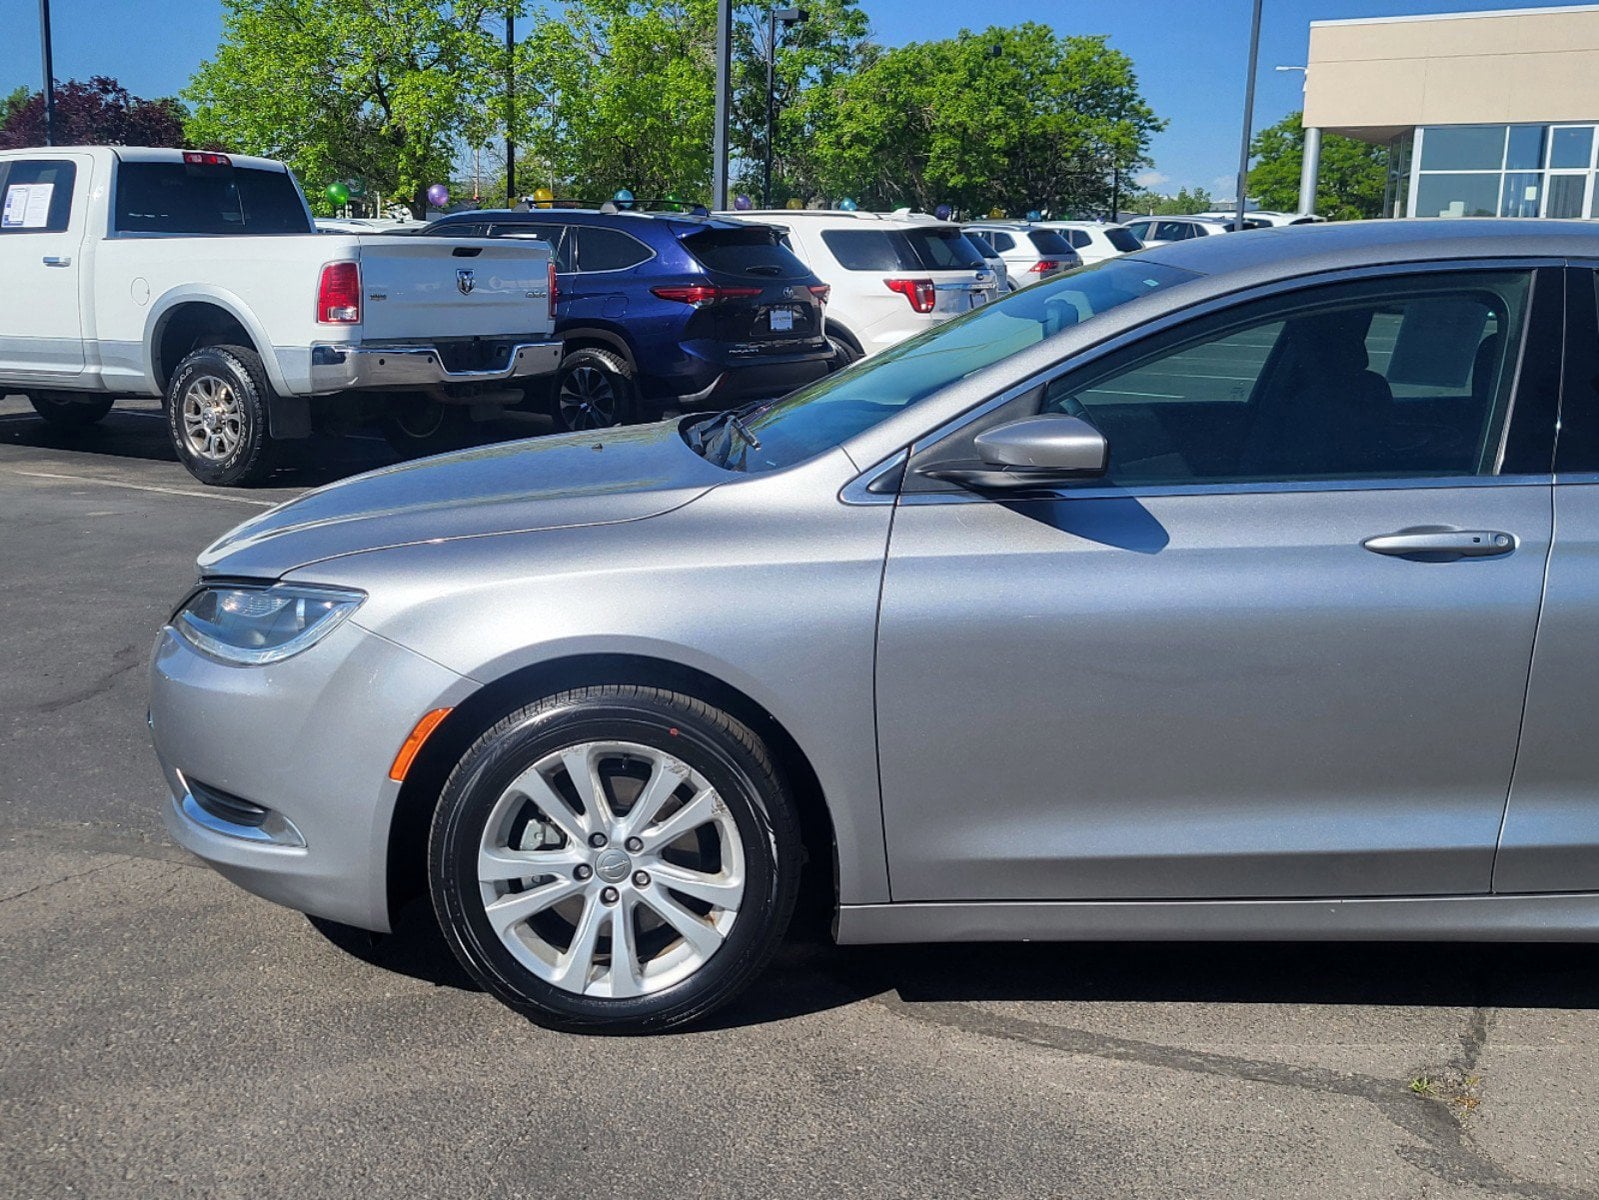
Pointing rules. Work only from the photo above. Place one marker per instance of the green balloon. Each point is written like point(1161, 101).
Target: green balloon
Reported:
point(338, 193)
point(675, 201)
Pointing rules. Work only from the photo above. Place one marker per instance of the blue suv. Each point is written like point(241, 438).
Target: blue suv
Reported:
point(667, 311)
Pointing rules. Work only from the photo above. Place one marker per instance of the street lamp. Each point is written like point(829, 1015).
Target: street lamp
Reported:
point(775, 17)
point(1249, 115)
point(49, 74)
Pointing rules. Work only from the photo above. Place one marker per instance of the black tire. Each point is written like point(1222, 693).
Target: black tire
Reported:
point(845, 351)
point(592, 389)
point(72, 414)
point(235, 377)
point(709, 742)
point(416, 426)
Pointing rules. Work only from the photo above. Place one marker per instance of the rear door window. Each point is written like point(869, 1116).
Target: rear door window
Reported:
point(1173, 231)
point(755, 250)
point(175, 197)
point(601, 249)
point(1078, 238)
point(1124, 240)
point(867, 250)
point(558, 237)
point(1002, 241)
point(36, 195)
point(943, 249)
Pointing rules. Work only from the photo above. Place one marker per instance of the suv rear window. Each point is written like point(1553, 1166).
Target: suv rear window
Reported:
point(754, 250)
point(174, 197)
point(1049, 241)
point(902, 249)
point(1124, 240)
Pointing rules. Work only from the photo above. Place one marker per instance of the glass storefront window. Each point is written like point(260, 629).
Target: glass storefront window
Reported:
point(1464, 148)
point(1525, 151)
point(1568, 194)
point(1523, 191)
point(1474, 195)
point(1571, 147)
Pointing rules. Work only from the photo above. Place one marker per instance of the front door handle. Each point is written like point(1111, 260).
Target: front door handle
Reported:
point(1442, 545)
point(56, 260)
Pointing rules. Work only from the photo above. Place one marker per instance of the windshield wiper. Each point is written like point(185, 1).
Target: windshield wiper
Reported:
point(736, 422)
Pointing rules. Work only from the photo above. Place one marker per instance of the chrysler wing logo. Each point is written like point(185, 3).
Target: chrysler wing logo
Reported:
point(465, 282)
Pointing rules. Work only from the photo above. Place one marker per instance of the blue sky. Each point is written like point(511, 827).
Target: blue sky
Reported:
point(1190, 54)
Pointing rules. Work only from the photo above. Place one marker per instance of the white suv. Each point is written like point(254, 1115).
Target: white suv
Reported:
point(1031, 252)
point(892, 276)
point(1095, 241)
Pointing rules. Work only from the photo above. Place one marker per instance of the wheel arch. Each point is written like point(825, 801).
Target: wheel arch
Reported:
point(179, 322)
point(833, 325)
point(598, 337)
point(406, 864)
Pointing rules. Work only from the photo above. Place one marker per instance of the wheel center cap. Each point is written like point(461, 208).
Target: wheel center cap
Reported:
point(613, 866)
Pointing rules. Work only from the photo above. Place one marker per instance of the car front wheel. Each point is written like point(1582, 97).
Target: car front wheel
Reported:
point(615, 859)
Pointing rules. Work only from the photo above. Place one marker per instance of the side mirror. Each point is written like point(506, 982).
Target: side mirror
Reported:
point(1032, 453)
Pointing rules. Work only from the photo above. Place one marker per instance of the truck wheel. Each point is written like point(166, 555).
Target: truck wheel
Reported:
point(217, 415)
point(71, 414)
point(416, 426)
point(592, 389)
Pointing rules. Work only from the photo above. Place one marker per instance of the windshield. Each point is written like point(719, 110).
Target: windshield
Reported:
point(774, 434)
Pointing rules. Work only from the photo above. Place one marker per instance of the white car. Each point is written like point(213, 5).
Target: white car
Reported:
point(892, 276)
point(1095, 241)
point(200, 278)
point(1264, 218)
point(1031, 252)
point(1161, 231)
point(993, 261)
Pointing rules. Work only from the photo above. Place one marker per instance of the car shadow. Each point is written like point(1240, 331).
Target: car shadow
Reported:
point(810, 975)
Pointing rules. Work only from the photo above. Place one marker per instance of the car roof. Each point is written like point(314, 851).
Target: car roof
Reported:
point(842, 216)
point(582, 215)
point(1082, 225)
point(144, 154)
point(1302, 249)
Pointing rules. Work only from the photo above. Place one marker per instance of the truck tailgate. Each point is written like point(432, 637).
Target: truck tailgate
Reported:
point(437, 287)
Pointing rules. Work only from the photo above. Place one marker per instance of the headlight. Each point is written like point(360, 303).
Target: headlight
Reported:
point(247, 625)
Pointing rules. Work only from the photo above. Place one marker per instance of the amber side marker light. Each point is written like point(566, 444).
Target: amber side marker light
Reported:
point(413, 744)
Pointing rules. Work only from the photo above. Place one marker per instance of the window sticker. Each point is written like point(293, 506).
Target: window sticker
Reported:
point(27, 206)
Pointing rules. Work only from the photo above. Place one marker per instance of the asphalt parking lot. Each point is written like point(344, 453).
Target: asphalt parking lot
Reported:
point(165, 1034)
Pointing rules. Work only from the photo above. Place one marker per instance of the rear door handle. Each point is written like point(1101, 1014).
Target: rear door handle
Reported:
point(1442, 545)
point(56, 260)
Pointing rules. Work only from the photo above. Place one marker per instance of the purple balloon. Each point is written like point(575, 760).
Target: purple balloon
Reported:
point(943, 212)
point(438, 195)
point(741, 202)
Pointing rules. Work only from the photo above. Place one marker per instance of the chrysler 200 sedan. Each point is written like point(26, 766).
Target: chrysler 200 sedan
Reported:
point(1245, 588)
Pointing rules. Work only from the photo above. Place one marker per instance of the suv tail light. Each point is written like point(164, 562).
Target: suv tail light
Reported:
point(1044, 265)
point(920, 292)
point(554, 291)
point(821, 291)
point(338, 294)
point(701, 294)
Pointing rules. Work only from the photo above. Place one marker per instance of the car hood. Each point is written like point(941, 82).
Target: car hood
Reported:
point(597, 478)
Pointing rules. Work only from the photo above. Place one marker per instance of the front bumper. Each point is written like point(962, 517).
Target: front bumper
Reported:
point(403, 366)
point(310, 740)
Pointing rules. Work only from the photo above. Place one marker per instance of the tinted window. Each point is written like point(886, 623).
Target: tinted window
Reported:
point(984, 246)
point(1124, 240)
point(1140, 230)
point(1002, 241)
point(866, 250)
point(1049, 242)
point(607, 249)
point(558, 236)
point(174, 197)
point(36, 195)
point(1173, 231)
point(819, 417)
point(1397, 378)
point(1570, 147)
point(1463, 148)
point(756, 250)
point(943, 249)
point(1078, 238)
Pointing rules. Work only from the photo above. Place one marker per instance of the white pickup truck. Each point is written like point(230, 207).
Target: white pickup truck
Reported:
point(199, 278)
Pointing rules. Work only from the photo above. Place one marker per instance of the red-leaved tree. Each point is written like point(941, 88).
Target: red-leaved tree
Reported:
point(97, 113)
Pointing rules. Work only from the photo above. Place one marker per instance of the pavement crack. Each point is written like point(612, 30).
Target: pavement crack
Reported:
point(1445, 1151)
point(39, 887)
point(124, 660)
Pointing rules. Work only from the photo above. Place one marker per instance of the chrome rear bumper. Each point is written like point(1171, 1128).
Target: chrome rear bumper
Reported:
point(349, 366)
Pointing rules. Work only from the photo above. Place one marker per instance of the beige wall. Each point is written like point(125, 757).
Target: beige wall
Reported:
point(1375, 78)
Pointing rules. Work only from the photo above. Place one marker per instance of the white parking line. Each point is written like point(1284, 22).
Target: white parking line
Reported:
point(147, 487)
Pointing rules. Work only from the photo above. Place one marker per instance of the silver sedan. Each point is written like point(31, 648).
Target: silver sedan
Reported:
point(1212, 592)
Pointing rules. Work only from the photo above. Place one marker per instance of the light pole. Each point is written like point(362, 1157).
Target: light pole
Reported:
point(785, 17)
point(1249, 115)
point(49, 74)
point(724, 87)
point(510, 105)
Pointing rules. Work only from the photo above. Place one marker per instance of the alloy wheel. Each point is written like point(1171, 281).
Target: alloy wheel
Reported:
point(213, 421)
point(611, 869)
point(587, 399)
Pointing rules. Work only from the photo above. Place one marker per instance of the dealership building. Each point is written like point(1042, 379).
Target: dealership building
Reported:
point(1485, 114)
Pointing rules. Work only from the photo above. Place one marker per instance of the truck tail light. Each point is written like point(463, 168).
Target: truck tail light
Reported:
point(920, 292)
point(204, 158)
point(821, 291)
point(554, 289)
point(701, 294)
point(338, 294)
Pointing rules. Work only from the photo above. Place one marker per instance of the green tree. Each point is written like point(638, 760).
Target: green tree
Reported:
point(1350, 185)
point(385, 91)
point(1016, 118)
point(1187, 200)
point(13, 102)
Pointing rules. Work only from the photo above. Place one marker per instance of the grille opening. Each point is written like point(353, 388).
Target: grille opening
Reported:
point(226, 807)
